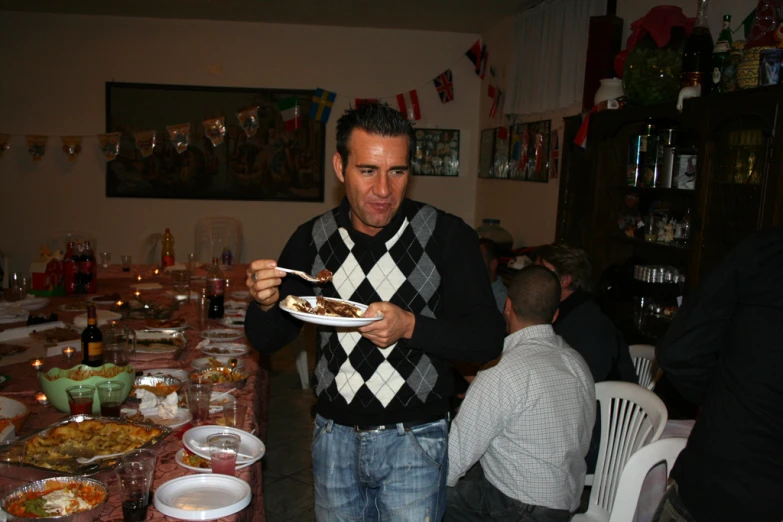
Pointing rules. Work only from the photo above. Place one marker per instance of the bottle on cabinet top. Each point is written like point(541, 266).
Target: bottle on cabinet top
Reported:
point(92, 341)
point(697, 56)
point(167, 249)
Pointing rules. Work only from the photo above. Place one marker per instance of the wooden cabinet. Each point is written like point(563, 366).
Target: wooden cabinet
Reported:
point(738, 189)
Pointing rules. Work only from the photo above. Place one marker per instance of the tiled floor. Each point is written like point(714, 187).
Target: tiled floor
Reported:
point(288, 479)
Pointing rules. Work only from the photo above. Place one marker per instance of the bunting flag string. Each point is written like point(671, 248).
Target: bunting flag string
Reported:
point(321, 106)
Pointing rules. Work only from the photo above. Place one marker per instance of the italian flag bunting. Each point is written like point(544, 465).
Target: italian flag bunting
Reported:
point(289, 110)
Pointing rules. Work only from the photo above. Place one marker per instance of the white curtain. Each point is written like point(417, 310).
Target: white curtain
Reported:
point(548, 62)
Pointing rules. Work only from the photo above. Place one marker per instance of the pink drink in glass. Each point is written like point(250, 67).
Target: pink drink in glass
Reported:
point(224, 463)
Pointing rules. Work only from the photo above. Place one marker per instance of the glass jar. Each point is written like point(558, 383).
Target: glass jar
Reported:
point(652, 74)
point(491, 229)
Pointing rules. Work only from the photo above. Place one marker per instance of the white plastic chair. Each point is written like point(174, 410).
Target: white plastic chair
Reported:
point(212, 234)
point(150, 249)
point(631, 416)
point(643, 356)
point(636, 470)
point(59, 240)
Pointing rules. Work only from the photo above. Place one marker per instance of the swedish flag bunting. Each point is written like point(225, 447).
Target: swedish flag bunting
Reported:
point(321, 106)
point(444, 84)
point(408, 103)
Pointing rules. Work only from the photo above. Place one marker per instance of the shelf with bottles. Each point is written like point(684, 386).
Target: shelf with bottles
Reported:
point(662, 191)
point(675, 245)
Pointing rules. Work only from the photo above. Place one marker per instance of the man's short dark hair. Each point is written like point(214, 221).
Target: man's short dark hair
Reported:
point(373, 118)
point(535, 294)
point(569, 261)
point(491, 247)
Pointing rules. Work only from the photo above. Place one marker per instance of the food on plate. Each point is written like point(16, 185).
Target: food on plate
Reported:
point(59, 448)
point(165, 323)
point(81, 373)
point(324, 276)
point(218, 375)
point(217, 350)
point(76, 306)
point(10, 348)
point(326, 307)
point(54, 336)
point(222, 335)
point(194, 460)
point(160, 389)
point(108, 297)
point(160, 342)
point(57, 499)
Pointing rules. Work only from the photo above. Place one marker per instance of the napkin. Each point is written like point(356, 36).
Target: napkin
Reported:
point(153, 406)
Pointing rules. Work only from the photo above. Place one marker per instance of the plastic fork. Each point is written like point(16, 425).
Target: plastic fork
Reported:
point(303, 275)
point(84, 460)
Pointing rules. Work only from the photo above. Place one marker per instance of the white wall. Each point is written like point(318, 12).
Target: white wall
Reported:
point(54, 73)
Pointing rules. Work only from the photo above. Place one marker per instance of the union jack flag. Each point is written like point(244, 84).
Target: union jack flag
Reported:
point(444, 84)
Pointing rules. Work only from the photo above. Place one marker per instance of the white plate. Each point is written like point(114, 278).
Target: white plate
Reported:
point(32, 304)
point(8, 319)
point(251, 449)
point(94, 299)
point(221, 335)
point(235, 307)
point(183, 417)
point(202, 497)
point(181, 453)
point(180, 297)
point(332, 321)
point(146, 286)
point(203, 362)
point(104, 316)
point(180, 375)
point(183, 326)
point(233, 321)
point(226, 349)
point(240, 294)
point(65, 308)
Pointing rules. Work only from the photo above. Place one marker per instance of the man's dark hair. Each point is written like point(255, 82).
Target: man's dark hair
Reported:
point(373, 118)
point(570, 261)
point(491, 247)
point(535, 294)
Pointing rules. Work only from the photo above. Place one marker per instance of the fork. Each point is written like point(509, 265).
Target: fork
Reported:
point(84, 460)
point(303, 275)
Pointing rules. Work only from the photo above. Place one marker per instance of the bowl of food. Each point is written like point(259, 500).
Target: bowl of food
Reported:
point(159, 385)
point(12, 412)
point(57, 380)
point(222, 378)
point(61, 499)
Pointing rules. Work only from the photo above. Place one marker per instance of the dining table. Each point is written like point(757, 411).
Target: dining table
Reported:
point(154, 285)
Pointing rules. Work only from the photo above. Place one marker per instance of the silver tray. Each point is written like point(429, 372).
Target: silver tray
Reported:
point(173, 341)
point(97, 466)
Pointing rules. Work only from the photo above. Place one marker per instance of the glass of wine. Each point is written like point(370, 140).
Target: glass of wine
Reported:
point(110, 395)
point(80, 399)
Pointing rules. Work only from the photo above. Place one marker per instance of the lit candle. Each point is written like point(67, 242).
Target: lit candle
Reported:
point(37, 363)
point(41, 398)
point(119, 304)
point(156, 271)
point(137, 294)
point(68, 352)
point(138, 277)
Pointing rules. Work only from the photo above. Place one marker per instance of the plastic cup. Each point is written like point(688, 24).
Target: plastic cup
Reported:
point(135, 477)
point(180, 281)
point(234, 413)
point(198, 395)
point(105, 259)
point(110, 394)
point(202, 310)
point(223, 450)
point(80, 399)
point(126, 262)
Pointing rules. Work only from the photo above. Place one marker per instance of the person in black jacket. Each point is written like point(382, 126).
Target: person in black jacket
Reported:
point(383, 389)
point(585, 327)
point(723, 351)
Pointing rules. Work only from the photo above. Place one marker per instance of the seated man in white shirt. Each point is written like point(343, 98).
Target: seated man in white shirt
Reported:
point(527, 421)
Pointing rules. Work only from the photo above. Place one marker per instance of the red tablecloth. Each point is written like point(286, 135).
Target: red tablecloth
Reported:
point(24, 385)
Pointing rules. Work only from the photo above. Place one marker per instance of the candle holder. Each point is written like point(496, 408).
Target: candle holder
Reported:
point(37, 364)
point(156, 272)
point(138, 278)
point(42, 399)
point(68, 352)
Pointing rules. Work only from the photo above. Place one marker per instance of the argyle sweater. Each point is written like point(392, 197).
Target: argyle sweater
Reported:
point(426, 262)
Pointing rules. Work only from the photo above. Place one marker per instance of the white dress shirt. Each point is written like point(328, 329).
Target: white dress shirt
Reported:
point(529, 420)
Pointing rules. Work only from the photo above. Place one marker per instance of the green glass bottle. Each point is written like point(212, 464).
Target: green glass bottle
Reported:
point(721, 55)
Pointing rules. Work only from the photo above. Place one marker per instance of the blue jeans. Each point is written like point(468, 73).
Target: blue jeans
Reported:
point(393, 474)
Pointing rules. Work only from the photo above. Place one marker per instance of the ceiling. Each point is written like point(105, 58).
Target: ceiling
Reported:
point(461, 16)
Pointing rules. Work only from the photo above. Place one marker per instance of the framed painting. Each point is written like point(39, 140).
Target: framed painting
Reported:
point(487, 153)
point(265, 147)
point(529, 154)
point(436, 153)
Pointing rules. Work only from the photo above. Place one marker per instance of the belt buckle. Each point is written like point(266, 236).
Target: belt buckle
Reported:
point(376, 429)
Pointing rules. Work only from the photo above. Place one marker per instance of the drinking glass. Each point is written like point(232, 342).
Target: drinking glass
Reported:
point(11, 464)
point(135, 477)
point(199, 395)
point(105, 259)
point(110, 395)
point(80, 399)
point(223, 450)
point(126, 262)
point(202, 310)
point(180, 280)
point(233, 412)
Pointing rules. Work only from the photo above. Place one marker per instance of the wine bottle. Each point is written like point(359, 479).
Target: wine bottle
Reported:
point(216, 288)
point(697, 56)
point(92, 341)
point(721, 55)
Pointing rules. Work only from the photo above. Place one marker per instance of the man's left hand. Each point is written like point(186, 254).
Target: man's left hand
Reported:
point(396, 324)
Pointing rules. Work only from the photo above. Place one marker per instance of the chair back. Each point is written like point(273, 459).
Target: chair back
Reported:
point(59, 240)
point(643, 356)
point(150, 249)
point(631, 417)
point(212, 234)
point(636, 469)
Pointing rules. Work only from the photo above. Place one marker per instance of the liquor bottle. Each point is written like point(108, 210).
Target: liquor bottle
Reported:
point(721, 55)
point(166, 249)
point(69, 270)
point(216, 288)
point(92, 341)
point(88, 269)
point(697, 56)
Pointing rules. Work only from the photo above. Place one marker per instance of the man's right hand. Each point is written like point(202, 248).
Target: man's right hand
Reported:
point(263, 282)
